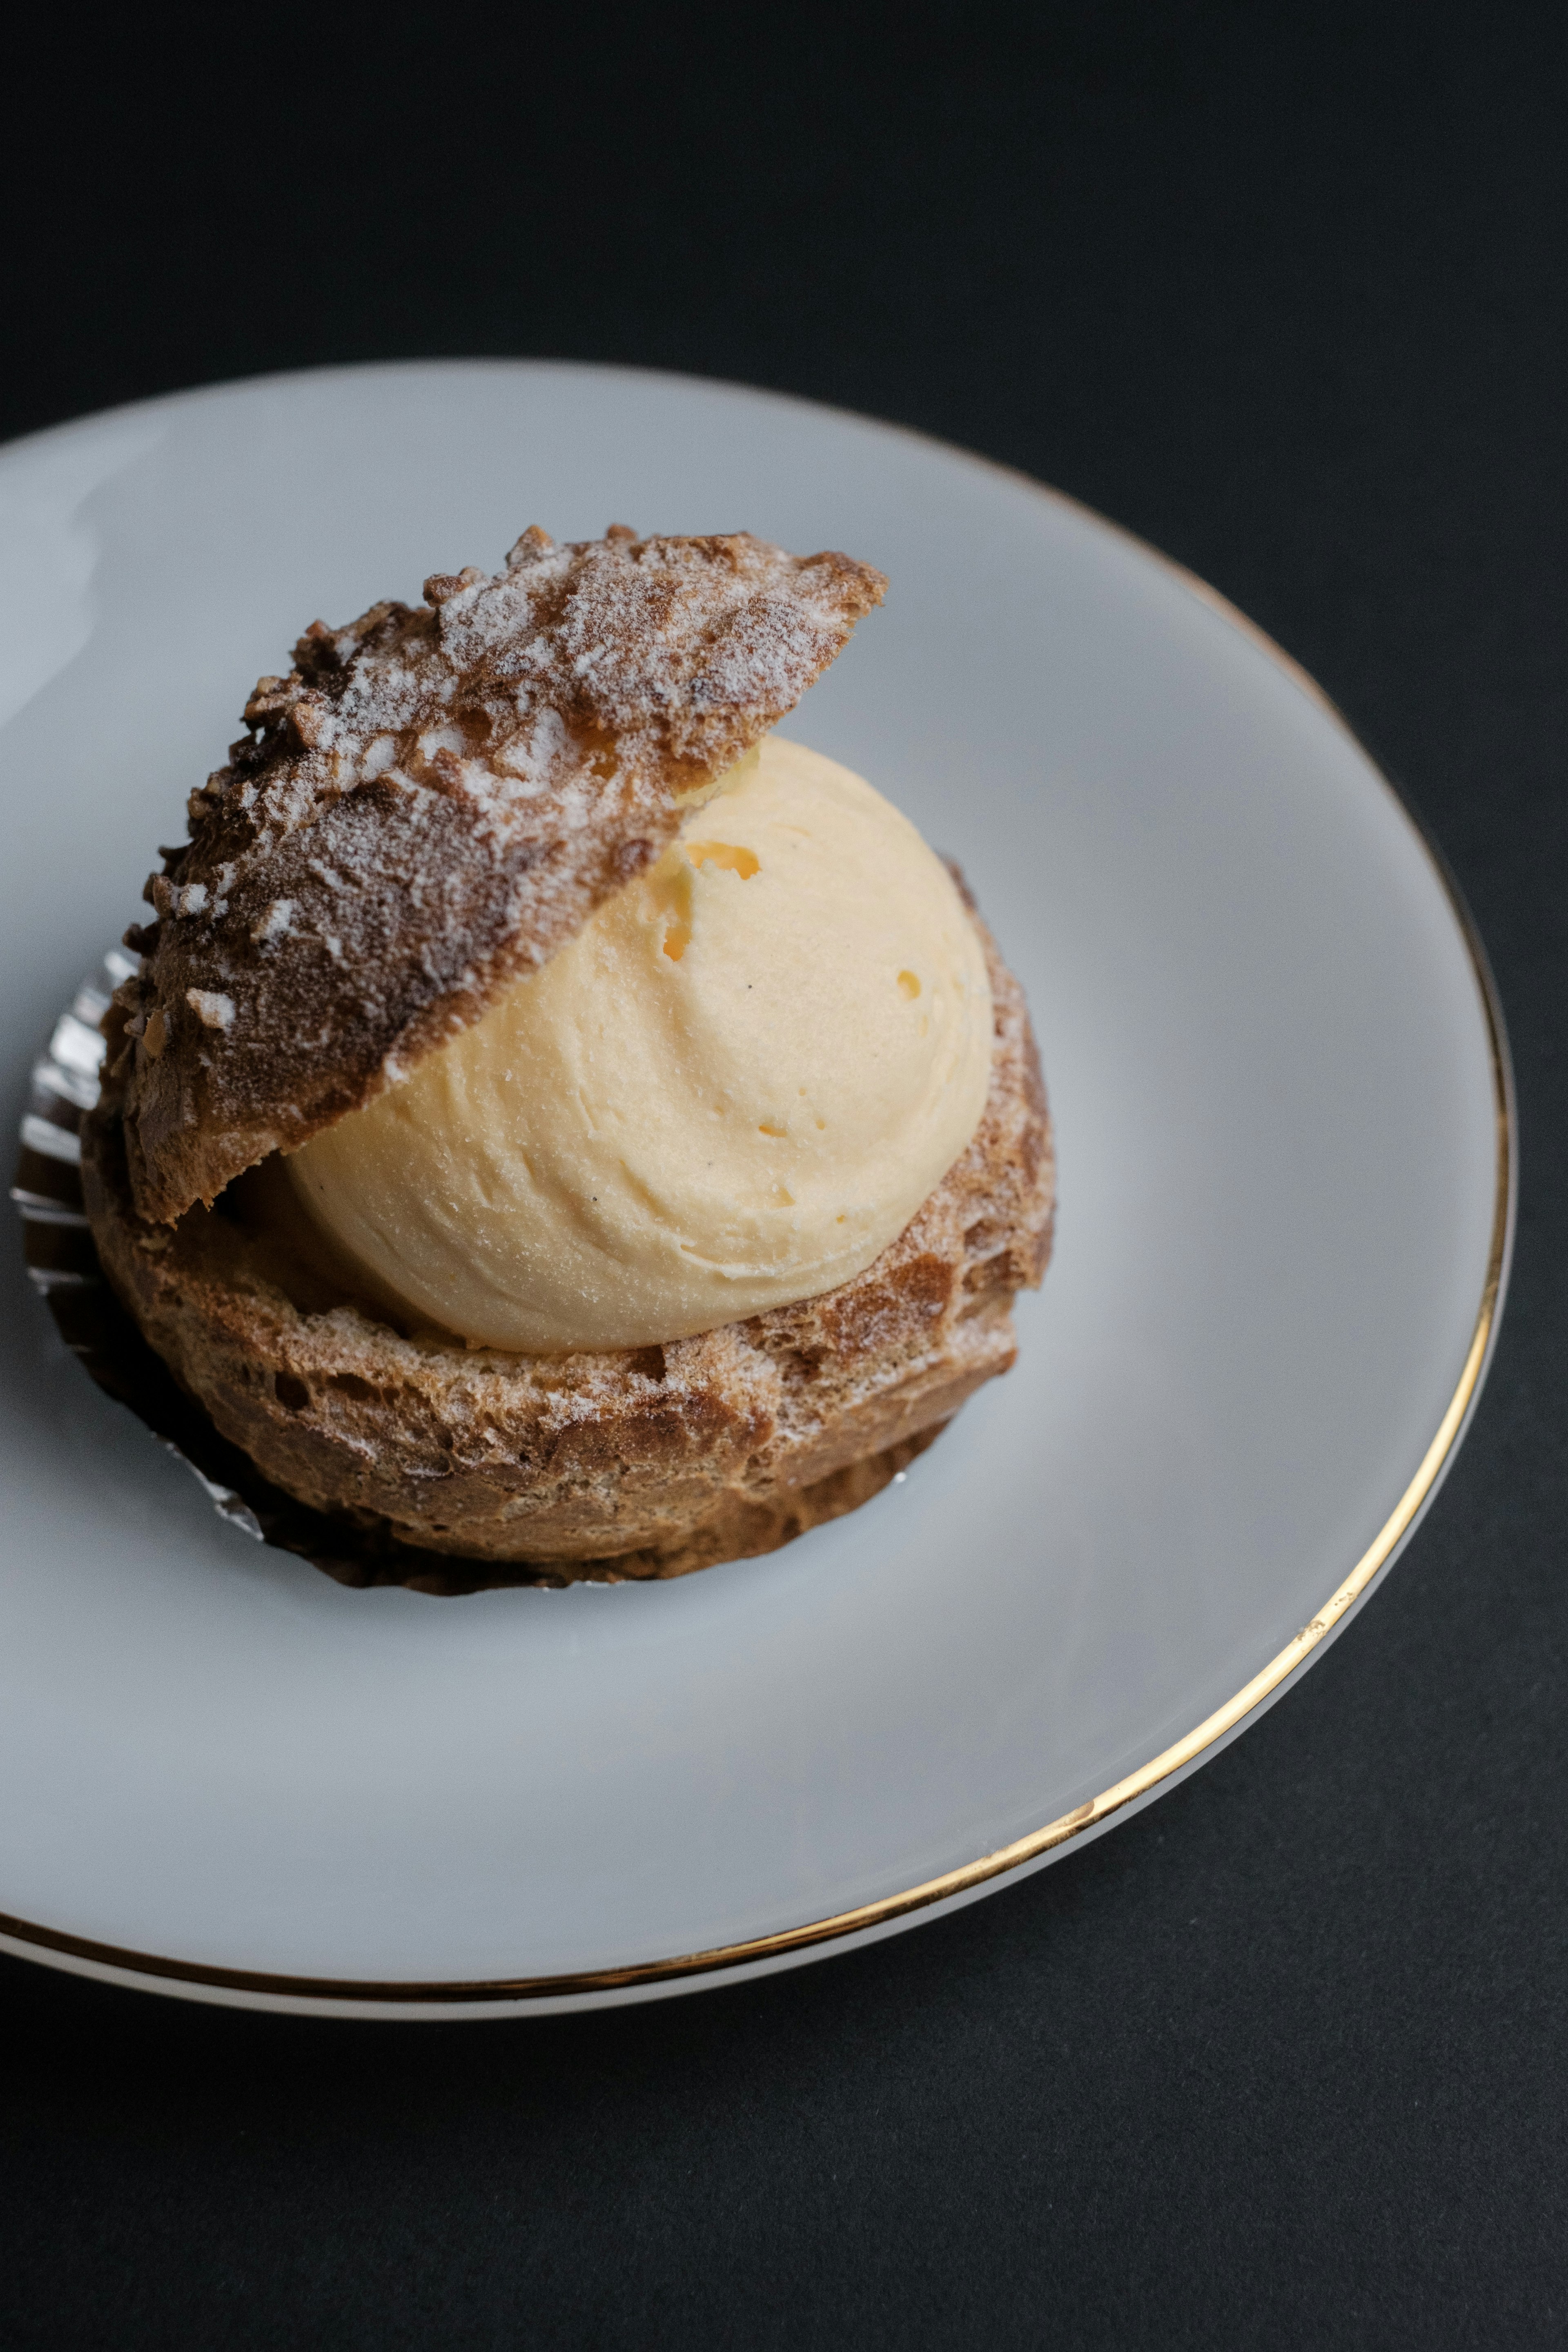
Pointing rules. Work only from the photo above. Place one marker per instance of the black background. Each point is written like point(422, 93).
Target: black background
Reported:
point(1281, 2061)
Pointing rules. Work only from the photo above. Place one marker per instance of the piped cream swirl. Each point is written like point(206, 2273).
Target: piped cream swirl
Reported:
point(732, 1090)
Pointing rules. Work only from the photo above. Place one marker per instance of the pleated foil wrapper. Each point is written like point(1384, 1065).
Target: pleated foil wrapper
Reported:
point(63, 1263)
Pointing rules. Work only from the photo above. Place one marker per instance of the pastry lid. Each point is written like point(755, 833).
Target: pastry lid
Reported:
point(432, 803)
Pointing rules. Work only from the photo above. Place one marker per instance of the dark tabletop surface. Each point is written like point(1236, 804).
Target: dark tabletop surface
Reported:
point(1282, 2059)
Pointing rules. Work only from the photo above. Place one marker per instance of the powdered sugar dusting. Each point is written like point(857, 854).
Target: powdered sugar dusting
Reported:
point(213, 1011)
point(431, 802)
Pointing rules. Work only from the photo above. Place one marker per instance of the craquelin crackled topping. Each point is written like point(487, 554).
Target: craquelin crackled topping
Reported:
point(434, 801)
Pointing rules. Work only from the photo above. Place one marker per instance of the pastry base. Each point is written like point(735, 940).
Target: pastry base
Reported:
point(644, 1461)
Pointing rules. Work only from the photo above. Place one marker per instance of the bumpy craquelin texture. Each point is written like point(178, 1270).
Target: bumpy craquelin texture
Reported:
point(433, 801)
point(641, 1462)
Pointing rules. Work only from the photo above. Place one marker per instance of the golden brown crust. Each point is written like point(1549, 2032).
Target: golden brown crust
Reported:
point(640, 1462)
point(741, 1527)
point(431, 803)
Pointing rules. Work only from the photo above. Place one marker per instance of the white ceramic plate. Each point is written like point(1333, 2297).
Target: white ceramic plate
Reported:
point(1280, 1098)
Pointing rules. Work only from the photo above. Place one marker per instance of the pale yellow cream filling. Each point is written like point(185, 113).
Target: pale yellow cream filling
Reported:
point(732, 1090)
